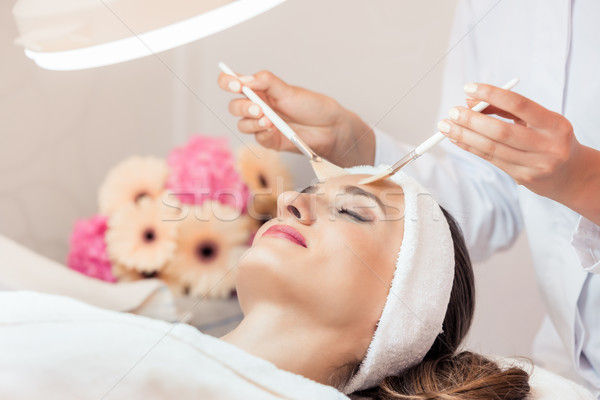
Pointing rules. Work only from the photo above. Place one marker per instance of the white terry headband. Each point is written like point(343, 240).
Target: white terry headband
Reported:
point(420, 291)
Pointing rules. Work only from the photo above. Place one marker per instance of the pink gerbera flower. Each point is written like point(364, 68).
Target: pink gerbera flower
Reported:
point(87, 252)
point(204, 169)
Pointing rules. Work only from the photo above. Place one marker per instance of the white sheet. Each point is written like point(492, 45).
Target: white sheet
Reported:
point(58, 348)
point(23, 269)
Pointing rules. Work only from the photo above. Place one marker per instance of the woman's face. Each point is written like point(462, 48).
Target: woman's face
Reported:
point(329, 256)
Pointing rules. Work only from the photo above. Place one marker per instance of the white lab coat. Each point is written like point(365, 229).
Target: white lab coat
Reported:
point(554, 47)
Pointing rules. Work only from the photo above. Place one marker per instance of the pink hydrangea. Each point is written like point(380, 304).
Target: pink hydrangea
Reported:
point(87, 252)
point(204, 169)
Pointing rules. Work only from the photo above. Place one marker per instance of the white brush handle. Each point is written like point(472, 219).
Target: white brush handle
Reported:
point(438, 137)
point(273, 117)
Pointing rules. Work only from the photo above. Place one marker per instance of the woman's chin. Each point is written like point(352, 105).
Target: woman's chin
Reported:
point(260, 260)
point(265, 269)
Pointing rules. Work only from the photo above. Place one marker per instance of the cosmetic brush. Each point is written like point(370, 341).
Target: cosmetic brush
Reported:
point(323, 169)
point(426, 145)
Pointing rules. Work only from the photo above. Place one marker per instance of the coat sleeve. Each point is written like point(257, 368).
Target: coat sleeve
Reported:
point(586, 243)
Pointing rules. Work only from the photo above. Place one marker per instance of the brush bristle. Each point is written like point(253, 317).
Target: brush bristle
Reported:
point(374, 178)
point(324, 169)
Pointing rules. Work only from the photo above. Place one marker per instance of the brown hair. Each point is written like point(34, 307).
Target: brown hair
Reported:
point(443, 373)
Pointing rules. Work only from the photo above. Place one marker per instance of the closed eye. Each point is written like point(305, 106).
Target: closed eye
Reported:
point(353, 215)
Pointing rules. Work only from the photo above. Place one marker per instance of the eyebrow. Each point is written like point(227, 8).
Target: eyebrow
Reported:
point(311, 189)
point(349, 189)
point(355, 190)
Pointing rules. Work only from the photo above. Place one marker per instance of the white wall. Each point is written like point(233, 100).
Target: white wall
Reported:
point(61, 131)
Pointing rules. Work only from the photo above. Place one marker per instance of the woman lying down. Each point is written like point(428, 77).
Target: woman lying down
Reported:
point(353, 290)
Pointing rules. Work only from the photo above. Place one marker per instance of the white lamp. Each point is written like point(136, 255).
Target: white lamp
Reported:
point(79, 34)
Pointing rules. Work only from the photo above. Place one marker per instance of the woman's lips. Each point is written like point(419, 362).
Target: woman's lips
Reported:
point(286, 232)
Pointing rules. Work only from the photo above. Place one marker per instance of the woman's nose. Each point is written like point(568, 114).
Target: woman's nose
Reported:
point(295, 205)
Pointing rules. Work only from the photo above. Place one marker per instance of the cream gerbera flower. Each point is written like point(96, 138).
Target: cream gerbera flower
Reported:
point(125, 274)
point(266, 175)
point(211, 239)
point(142, 236)
point(130, 180)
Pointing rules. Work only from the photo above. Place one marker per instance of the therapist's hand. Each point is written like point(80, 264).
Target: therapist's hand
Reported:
point(538, 149)
point(328, 128)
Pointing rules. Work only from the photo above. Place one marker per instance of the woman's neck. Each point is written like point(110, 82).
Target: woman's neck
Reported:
point(291, 343)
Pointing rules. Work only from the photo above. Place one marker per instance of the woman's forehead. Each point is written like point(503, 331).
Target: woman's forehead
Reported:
point(353, 179)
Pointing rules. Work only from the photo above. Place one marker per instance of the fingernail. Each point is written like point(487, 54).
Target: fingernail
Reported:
point(262, 122)
point(454, 113)
point(254, 110)
point(470, 88)
point(443, 126)
point(246, 78)
point(270, 130)
point(453, 141)
point(234, 86)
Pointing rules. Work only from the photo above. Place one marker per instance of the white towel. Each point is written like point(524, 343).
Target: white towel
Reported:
point(420, 290)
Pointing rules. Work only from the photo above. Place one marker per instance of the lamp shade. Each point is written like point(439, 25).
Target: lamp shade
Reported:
point(80, 34)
